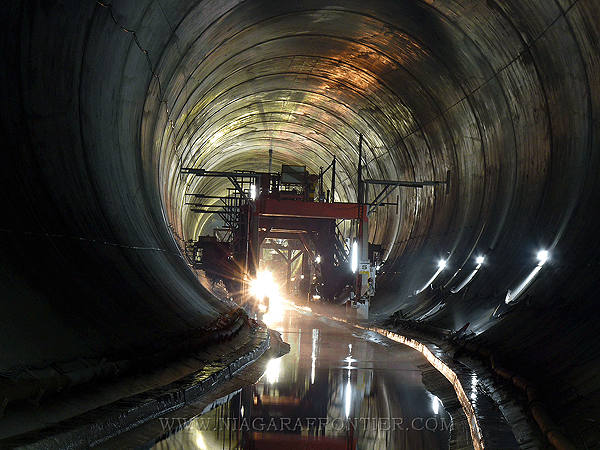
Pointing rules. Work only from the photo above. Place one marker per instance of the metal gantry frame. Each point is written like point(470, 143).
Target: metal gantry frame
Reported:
point(236, 214)
point(245, 216)
point(363, 232)
point(386, 191)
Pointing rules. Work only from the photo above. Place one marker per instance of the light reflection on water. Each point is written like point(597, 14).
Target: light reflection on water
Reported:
point(333, 390)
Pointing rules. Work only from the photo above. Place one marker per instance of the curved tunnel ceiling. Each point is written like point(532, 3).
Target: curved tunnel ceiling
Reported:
point(479, 90)
point(105, 105)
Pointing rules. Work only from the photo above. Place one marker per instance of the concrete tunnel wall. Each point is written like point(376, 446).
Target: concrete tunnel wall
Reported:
point(97, 122)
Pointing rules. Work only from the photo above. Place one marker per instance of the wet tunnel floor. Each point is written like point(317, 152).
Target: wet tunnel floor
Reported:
point(338, 387)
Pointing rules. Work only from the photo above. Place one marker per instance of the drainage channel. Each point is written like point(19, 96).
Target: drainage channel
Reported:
point(337, 388)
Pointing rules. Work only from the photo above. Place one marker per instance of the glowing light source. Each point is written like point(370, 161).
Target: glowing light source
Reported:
point(273, 370)
point(511, 296)
point(354, 258)
point(318, 259)
point(313, 356)
point(348, 401)
point(479, 260)
point(253, 192)
point(441, 266)
point(264, 285)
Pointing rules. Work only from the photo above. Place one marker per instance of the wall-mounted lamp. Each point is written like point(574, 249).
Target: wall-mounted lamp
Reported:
point(441, 266)
point(511, 296)
point(479, 260)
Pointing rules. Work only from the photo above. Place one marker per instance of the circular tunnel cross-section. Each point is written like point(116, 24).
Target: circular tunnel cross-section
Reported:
point(103, 105)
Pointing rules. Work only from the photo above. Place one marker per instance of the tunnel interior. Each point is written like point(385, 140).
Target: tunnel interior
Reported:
point(105, 104)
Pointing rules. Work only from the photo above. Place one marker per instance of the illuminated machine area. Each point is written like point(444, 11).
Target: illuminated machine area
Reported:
point(287, 223)
point(432, 163)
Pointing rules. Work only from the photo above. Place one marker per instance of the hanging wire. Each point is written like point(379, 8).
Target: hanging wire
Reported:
point(161, 98)
point(93, 241)
point(185, 74)
point(151, 66)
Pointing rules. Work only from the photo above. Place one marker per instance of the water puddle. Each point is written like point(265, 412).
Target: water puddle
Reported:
point(334, 390)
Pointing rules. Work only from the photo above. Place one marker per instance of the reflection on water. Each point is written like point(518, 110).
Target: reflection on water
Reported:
point(334, 390)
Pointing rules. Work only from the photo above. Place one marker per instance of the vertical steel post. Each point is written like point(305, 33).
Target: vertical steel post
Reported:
point(333, 181)
point(270, 159)
point(360, 183)
point(321, 191)
point(360, 231)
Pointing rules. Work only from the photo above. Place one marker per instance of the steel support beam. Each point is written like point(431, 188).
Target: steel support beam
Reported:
point(292, 208)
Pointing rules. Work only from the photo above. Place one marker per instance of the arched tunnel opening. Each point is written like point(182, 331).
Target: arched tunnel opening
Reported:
point(105, 104)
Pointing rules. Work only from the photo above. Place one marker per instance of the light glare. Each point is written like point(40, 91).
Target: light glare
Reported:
point(348, 396)
point(480, 259)
point(273, 370)
point(441, 266)
point(354, 256)
point(200, 442)
point(512, 295)
point(264, 286)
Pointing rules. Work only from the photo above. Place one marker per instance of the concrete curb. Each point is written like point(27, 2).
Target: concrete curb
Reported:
point(101, 424)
